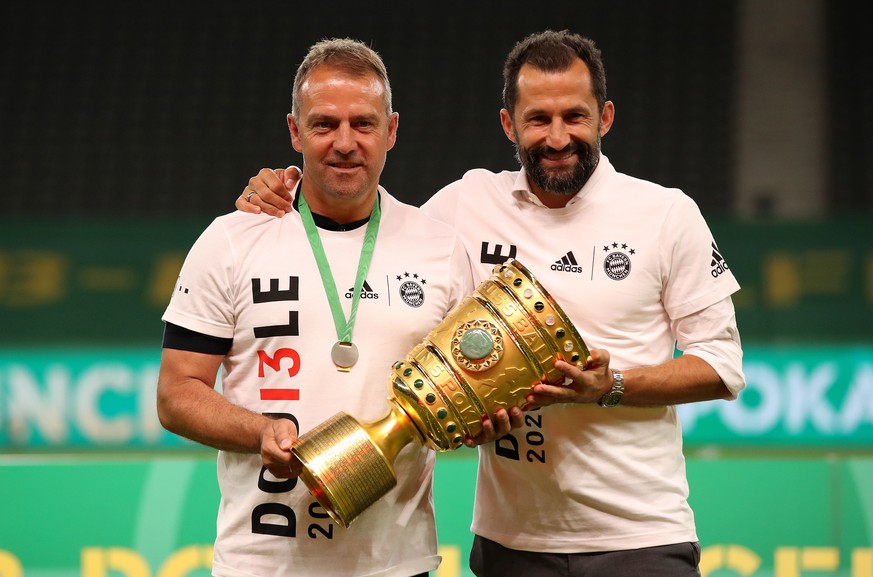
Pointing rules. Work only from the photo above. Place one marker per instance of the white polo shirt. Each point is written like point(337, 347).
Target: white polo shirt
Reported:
point(636, 269)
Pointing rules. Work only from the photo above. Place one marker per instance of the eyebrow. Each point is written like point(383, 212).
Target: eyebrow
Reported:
point(315, 118)
point(538, 111)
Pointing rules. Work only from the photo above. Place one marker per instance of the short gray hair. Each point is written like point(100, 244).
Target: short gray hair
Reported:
point(351, 56)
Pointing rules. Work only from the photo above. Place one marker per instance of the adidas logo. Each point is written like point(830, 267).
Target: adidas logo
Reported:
point(567, 263)
point(366, 292)
point(718, 264)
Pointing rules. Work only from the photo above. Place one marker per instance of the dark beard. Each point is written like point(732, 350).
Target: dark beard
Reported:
point(563, 183)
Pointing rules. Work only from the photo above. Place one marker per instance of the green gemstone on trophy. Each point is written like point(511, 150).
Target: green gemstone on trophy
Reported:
point(476, 344)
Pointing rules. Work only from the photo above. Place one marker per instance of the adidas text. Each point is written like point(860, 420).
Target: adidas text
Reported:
point(566, 268)
point(722, 267)
point(364, 295)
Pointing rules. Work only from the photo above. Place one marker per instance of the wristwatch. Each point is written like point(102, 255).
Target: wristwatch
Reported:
point(614, 395)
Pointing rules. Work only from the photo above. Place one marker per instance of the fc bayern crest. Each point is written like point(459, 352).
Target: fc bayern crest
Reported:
point(412, 293)
point(411, 289)
point(617, 264)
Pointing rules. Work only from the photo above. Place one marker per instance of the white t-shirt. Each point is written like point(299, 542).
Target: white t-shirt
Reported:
point(626, 260)
point(253, 278)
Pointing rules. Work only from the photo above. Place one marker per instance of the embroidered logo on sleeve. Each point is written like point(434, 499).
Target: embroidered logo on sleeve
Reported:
point(718, 264)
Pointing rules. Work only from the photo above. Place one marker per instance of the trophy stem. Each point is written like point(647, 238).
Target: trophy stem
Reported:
point(348, 466)
point(393, 431)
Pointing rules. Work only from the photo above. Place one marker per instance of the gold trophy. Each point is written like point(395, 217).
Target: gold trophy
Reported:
point(487, 353)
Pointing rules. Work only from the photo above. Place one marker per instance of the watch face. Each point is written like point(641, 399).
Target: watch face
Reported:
point(615, 394)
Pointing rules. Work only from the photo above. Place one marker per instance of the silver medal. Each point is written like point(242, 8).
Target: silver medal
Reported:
point(344, 355)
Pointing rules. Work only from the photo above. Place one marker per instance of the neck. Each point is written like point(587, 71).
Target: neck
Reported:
point(342, 210)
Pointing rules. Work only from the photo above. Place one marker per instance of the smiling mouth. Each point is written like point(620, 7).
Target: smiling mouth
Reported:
point(558, 156)
point(344, 166)
point(560, 159)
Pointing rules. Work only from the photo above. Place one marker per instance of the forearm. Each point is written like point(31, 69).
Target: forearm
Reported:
point(196, 411)
point(685, 379)
point(189, 406)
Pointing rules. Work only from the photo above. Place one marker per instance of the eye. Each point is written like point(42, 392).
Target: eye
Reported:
point(577, 117)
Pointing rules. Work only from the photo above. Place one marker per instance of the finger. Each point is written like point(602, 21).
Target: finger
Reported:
point(572, 371)
point(545, 395)
point(285, 465)
point(265, 193)
point(284, 470)
point(516, 417)
point(244, 205)
point(485, 436)
point(473, 442)
point(250, 201)
point(501, 424)
point(276, 441)
point(284, 432)
point(296, 466)
point(291, 176)
point(278, 461)
point(270, 193)
point(487, 433)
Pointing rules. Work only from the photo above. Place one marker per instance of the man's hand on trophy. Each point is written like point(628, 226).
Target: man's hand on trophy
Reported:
point(585, 383)
point(276, 440)
point(503, 422)
point(269, 192)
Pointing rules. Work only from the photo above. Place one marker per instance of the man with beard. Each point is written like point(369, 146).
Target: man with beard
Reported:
point(594, 482)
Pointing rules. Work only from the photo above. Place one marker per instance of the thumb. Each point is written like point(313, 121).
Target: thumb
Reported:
point(598, 358)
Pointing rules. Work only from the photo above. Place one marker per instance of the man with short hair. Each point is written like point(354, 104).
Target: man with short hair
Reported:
point(305, 315)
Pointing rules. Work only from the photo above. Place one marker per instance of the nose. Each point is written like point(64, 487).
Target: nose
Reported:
point(558, 137)
point(344, 141)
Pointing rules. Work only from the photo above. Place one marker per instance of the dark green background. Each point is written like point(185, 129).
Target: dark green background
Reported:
point(108, 281)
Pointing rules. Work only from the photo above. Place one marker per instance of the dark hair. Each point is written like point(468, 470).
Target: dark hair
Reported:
point(552, 51)
point(349, 55)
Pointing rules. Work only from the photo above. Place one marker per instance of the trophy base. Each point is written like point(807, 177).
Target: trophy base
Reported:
point(347, 466)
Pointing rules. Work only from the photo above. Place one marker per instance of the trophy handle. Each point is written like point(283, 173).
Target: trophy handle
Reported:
point(348, 465)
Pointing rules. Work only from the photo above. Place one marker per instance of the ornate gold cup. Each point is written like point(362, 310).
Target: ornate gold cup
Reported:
point(486, 354)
